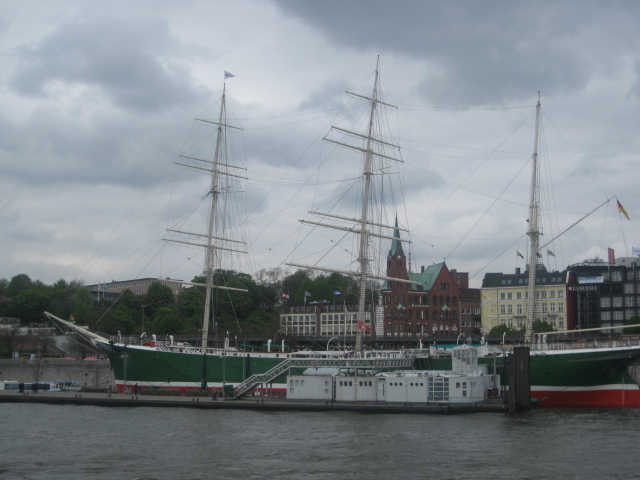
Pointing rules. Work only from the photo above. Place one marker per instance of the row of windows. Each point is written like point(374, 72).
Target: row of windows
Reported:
point(541, 307)
point(617, 315)
point(419, 300)
point(525, 295)
point(606, 302)
point(420, 315)
point(525, 281)
point(511, 323)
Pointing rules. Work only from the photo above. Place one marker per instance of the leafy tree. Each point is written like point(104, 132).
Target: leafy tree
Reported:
point(124, 320)
point(231, 304)
point(635, 320)
point(540, 326)
point(167, 321)
point(158, 296)
point(501, 329)
point(29, 305)
point(192, 307)
point(82, 306)
point(292, 284)
point(18, 284)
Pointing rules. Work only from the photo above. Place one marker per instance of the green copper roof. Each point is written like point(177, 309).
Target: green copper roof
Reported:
point(396, 244)
point(425, 279)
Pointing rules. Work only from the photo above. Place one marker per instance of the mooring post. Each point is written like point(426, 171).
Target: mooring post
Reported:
point(519, 398)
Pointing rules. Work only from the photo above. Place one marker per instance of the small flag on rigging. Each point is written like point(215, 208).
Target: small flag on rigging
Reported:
point(228, 75)
point(622, 210)
point(285, 295)
point(519, 254)
point(635, 251)
point(549, 252)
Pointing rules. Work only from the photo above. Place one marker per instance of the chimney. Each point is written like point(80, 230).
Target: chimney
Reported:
point(422, 269)
point(517, 270)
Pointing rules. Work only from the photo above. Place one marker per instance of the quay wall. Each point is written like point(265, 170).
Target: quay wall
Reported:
point(86, 373)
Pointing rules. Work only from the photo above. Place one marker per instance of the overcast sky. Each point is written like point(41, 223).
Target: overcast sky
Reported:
point(99, 97)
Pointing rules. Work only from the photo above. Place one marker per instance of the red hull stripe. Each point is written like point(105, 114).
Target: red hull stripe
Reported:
point(618, 397)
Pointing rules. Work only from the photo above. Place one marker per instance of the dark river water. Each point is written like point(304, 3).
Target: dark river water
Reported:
point(84, 442)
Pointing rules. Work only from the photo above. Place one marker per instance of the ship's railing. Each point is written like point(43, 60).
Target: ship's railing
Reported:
point(348, 363)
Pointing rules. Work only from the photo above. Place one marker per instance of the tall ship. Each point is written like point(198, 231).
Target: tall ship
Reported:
point(561, 376)
point(177, 366)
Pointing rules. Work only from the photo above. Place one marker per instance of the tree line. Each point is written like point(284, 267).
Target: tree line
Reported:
point(161, 312)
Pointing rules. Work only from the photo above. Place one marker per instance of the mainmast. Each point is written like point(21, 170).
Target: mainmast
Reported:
point(533, 233)
point(214, 192)
point(212, 242)
point(363, 230)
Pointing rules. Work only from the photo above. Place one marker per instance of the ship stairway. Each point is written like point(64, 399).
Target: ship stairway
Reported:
point(374, 364)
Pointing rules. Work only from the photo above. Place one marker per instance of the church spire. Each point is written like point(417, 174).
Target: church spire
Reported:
point(396, 244)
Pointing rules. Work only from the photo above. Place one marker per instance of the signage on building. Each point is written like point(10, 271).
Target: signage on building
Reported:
point(590, 279)
point(582, 288)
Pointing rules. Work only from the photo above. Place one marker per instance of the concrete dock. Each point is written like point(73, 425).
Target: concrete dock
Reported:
point(265, 405)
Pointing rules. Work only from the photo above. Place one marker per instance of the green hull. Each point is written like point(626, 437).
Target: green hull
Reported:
point(149, 367)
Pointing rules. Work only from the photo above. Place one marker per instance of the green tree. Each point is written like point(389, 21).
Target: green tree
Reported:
point(29, 305)
point(635, 320)
point(501, 329)
point(158, 296)
point(191, 308)
point(18, 284)
point(82, 306)
point(167, 321)
point(540, 326)
point(124, 320)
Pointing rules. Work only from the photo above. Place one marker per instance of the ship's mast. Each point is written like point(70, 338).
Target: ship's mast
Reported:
point(209, 258)
point(212, 242)
point(533, 233)
point(363, 273)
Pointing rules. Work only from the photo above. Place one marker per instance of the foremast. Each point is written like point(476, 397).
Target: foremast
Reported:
point(212, 241)
point(364, 272)
point(533, 232)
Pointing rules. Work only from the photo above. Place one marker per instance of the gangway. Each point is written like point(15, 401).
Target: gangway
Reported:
point(378, 364)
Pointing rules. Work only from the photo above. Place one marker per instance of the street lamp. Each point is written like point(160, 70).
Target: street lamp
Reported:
point(332, 338)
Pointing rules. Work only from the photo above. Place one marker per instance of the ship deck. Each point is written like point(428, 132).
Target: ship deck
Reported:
point(261, 404)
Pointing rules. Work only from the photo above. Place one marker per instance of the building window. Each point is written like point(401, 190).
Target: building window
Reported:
point(509, 309)
point(518, 295)
point(605, 302)
point(502, 309)
point(618, 315)
point(519, 309)
point(617, 301)
point(629, 301)
point(616, 276)
point(605, 316)
point(509, 295)
point(502, 296)
point(628, 288)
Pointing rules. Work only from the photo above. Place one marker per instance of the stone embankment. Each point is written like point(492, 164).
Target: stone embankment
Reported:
point(85, 373)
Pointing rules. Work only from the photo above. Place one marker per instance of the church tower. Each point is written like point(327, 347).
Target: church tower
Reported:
point(396, 259)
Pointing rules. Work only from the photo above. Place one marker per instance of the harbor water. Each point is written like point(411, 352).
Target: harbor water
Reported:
point(87, 442)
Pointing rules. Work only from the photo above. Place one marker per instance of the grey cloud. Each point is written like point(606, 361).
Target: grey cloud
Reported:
point(135, 63)
point(479, 52)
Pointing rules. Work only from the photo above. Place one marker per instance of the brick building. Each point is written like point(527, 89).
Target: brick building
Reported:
point(432, 307)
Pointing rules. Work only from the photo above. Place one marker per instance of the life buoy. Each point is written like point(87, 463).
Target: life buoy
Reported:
point(114, 390)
